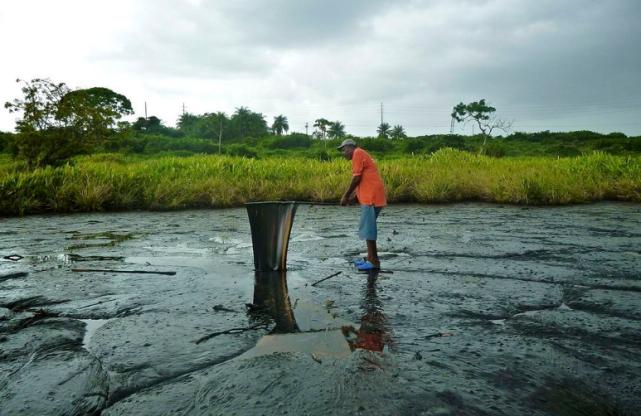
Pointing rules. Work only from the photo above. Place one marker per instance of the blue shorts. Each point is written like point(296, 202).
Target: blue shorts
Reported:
point(367, 225)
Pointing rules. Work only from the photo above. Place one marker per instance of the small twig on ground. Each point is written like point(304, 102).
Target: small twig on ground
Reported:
point(229, 331)
point(123, 271)
point(439, 334)
point(328, 277)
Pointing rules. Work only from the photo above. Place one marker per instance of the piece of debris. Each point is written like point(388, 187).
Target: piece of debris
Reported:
point(230, 331)
point(439, 334)
point(13, 257)
point(253, 307)
point(418, 356)
point(328, 277)
point(123, 271)
point(316, 358)
point(219, 308)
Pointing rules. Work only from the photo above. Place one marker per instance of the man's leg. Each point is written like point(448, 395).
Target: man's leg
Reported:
point(368, 232)
point(372, 253)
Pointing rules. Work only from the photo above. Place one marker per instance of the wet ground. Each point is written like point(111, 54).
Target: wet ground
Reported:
point(489, 310)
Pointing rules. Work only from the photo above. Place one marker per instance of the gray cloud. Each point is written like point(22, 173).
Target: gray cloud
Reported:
point(546, 64)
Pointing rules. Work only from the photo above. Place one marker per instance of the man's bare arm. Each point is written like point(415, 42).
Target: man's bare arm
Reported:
point(352, 187)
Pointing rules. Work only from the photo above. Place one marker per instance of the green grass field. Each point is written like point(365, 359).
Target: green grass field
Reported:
point(117, 182)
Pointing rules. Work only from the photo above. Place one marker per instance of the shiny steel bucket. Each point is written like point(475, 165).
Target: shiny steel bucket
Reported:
point(271, 223)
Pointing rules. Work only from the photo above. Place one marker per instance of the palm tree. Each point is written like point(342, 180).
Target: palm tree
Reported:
point(398, 132)
point(321, 124)
point(336, 130)
point(241, 116)
point(383, 130)
point(280, 125)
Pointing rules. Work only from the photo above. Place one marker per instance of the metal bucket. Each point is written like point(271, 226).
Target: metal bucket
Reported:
point(271, 223)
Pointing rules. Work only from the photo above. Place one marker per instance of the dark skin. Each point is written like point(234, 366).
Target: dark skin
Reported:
point(349, 196)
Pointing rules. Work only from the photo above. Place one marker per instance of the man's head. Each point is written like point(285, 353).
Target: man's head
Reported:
point(347, 148)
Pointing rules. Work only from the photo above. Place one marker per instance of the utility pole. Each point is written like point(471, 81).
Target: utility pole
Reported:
point(220, 135)
point(381, 113)
point(306, 129)
point(452, 126)
point(145, 110)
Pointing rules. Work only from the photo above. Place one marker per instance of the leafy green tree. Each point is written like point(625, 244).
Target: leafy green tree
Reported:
point(151, 124)
point(187, 124)
point(39, 106)
point(336, 130)
point(212, 126)
point(482, 114)
point(93, 112)
point(398, 132)
point(246, 123)
point(383, 130)
point(58, 123)
point(280, 125)
point(321, 125)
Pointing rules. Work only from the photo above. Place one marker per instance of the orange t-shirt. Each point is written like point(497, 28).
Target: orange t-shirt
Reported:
point(370, 191)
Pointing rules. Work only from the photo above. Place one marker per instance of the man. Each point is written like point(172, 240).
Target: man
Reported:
point(370, 192)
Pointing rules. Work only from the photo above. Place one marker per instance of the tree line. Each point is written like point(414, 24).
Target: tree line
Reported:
point(58, 123)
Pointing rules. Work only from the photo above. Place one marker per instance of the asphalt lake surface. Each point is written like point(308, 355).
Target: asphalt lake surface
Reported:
point(490, 310)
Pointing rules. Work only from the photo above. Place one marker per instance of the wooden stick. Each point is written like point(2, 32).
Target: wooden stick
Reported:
point(328, 277)
point(122, 271)
point(229, 331)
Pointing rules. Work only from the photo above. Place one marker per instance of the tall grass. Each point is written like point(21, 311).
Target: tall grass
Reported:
point(117, 182)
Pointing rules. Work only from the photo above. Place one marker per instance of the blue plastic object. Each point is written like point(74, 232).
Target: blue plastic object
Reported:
point(366, 266)
point(359, 261)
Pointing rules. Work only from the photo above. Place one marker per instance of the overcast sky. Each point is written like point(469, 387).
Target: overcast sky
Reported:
point(544, 64)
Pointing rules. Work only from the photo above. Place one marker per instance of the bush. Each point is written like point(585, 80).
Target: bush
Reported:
point(5, 141)
point(377, 145)
point(454, 141)
point(292, 141)
point(563, 150)
point(156, 144)
point(321, 155)
point(52, 147)
point(412, 146)
point(241, 150)
point(495, 149)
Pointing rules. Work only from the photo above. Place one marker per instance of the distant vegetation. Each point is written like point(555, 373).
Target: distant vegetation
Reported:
point(72, 152)
point(58, 124)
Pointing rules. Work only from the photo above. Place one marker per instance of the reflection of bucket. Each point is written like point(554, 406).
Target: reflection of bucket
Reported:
point(271, 223)
point(271, 297)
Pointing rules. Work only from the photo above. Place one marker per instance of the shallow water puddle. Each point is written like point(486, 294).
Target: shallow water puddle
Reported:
point(319, 344)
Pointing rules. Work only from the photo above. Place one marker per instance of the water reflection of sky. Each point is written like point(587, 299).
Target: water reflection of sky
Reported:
point(271, 303)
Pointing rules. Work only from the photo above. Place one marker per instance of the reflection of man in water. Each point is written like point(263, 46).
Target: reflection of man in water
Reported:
point(373, 334)
point(368, 187)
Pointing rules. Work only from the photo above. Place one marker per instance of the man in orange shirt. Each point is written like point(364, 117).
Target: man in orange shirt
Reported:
point(370, 191)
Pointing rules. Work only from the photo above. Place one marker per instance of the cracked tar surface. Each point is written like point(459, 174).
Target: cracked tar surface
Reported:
point(490, 310)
